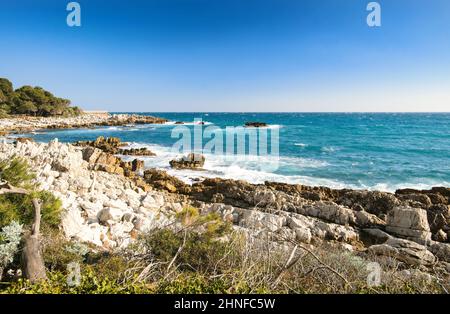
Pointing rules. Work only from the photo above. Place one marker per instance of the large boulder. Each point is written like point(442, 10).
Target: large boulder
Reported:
point(107, 162)
point(410, 223)
point(190, 161)
point(403, 250)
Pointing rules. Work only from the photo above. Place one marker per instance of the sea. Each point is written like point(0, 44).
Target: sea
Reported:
point(375, 151)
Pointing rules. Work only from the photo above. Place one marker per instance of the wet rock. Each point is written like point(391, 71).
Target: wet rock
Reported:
point(143, 151)
point(255, 124)
point(190, 161)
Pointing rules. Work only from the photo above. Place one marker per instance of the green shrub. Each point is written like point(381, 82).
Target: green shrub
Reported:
point(57, 251)
point(107, 265)
point(192, 283)
point(199, 242)
point(16, 172)
point(17, 207)
point(90, 283)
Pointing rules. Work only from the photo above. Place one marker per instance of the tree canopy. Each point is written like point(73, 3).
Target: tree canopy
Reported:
point(34, 101)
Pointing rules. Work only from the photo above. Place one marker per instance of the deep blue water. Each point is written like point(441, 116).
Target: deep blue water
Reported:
point(359, 150)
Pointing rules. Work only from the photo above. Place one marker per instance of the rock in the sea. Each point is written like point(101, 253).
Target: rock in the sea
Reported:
point(112, 145)
point(410, 223)
point(143, 151)
point(108, 145)
point(190, 161)
point(255, 124)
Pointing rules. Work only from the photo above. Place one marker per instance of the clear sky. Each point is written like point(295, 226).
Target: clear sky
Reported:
point(232, 55)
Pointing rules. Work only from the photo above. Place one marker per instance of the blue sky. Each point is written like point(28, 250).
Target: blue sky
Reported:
point(232, 55)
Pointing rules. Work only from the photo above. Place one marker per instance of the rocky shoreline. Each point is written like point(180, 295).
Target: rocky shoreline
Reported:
point(107, 203)
point(25, 124)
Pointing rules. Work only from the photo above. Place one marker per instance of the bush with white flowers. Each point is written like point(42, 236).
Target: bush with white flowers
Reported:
point(10, 237)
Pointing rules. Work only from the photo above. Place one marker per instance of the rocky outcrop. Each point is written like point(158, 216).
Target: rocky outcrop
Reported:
point(375, 202)
point(99, 160)
point(190, 161)
point(410, 223)
point(437, 195)
point(142, 151)
point(406, 251)
point(161, 180)
point(113, 145)
point(107, 203)
point(103, 208)
point(127, 119)
point(255, 124)
point(25, 124)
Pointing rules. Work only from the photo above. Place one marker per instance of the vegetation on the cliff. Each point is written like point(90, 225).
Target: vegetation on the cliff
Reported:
point(23, 210)
point(203, 255)
point(19, 208)
point(34, 101)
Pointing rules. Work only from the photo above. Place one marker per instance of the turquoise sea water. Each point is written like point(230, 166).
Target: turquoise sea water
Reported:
point(381, 151)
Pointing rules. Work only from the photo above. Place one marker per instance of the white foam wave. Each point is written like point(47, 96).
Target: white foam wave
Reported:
point(329, 149)
point(255, 171)
point(188, 123)
point(300, 144)
point(392, 187)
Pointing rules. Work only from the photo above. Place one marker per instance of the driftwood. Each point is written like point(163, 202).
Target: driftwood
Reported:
point(32, 260)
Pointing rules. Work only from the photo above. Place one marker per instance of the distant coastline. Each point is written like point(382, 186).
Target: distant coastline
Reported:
point(88, 119)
